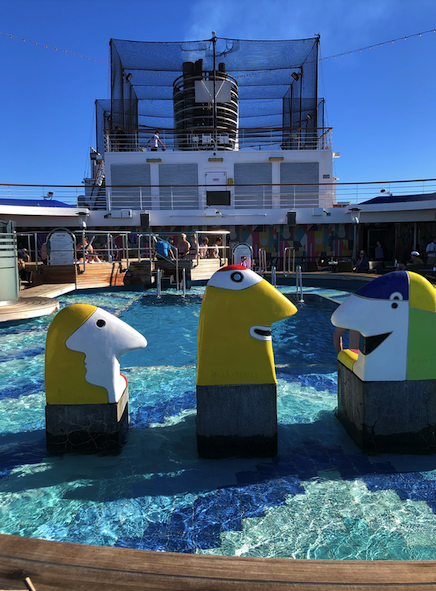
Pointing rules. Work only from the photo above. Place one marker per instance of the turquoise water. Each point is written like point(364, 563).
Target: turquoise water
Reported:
point(319, 498)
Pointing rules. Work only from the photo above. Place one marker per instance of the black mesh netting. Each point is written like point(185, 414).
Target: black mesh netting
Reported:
point(276, 80)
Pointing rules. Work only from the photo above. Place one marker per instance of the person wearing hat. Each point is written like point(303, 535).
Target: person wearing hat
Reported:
point(415, 259)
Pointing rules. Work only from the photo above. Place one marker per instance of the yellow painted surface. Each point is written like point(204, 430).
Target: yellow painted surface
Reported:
point(64, 369)
point(422, 293)
point(227, 353)
point(348, 358)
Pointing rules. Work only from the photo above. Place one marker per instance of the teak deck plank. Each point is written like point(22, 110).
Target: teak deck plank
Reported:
point(60, 565)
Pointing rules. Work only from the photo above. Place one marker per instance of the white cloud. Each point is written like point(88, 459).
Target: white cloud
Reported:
point(290, 19)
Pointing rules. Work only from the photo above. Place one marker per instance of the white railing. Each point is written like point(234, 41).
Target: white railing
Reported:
point(44, 194)
point(139, 198)
point(200, 138)
point(185, 197)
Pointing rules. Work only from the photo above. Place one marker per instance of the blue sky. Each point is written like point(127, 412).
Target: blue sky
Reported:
point(380, 101)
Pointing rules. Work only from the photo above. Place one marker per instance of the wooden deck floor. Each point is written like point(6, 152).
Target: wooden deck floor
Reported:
point(34, 302)
point(57, 565)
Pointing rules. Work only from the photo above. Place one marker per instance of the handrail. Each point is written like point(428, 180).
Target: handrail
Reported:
point(158, 284)
point(273, 276)
point(287, 259)
point(299, 283)
point(176, 263)
point(262, 261)
point(184, 282)
point(332, 193)
point(227, 137)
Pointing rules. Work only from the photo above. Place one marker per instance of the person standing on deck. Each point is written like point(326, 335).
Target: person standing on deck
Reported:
point(431, 252)
point(163, 250)
point(154, 141)
point(216, 247)
point(183, 246)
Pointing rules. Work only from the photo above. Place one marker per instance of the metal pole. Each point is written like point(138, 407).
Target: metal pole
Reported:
point(355, 243)
point(301, 286)
point(184, 283)
point(83, 250)
point(126, 237)
point(35, 238)
point(273, 276)
point(177, 269)
point(158, 286)
point(214, 85)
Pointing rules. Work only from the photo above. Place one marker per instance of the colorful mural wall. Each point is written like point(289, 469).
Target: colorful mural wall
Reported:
point(310, 241)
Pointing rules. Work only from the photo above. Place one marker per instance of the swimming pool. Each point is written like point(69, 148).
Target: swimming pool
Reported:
point(319, 498)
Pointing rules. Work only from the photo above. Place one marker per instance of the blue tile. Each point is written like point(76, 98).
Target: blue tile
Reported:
point(25, 389)
point(292, 486)
point(208, 537)
point(183, 545)
point(155, 543)
point(267, 470)
point(247, 477)
point(157, 530)
point(423, 552)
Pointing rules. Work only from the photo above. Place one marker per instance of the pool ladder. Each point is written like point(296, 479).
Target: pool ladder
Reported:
point(159, 283)
point(299, 283)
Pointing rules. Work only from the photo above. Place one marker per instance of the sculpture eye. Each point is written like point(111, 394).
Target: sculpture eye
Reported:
point(234, 279)
point(100, 323)
point(396, 295)
point(237, 276)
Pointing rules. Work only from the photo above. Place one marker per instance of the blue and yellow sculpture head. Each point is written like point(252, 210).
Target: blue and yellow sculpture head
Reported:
point(234, 333)
point(396, 317)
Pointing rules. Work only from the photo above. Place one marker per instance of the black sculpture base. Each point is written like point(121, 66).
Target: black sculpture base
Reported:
point(87, 428)
point(237, 420)
point(397, 417)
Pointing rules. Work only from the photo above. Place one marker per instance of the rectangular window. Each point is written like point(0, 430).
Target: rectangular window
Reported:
point(217, 198)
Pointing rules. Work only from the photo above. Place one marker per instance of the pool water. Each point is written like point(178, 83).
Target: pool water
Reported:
point(319, 498)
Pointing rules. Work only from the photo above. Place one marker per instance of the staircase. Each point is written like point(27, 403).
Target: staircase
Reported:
point(205, 269)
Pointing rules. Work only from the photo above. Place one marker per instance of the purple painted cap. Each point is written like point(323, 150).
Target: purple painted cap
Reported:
point(382, 287)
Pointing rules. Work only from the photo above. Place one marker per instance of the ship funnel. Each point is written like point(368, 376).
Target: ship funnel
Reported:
point(205, 108)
